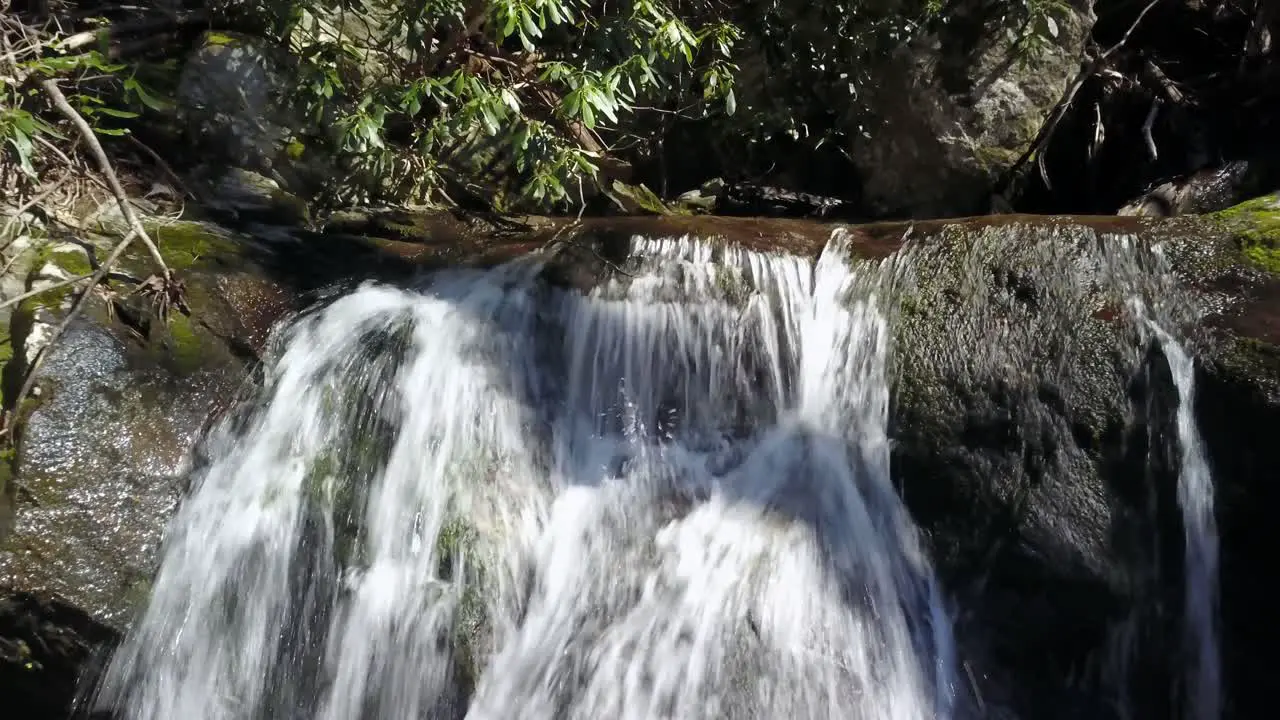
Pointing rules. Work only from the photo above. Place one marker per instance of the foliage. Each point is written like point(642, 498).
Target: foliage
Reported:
point(528, 104)
point(107, 94)
point(537, 92)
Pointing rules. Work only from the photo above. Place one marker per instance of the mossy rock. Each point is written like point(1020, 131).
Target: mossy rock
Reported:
point(123, 397)
point(1256, 224)
point(188, 245)
point(639, 199)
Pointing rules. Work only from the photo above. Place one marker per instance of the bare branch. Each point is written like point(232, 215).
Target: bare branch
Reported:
point(1146, 129)
point(104, 164)
point(32, 293)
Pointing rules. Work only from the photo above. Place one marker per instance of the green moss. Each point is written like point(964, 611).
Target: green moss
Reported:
point(456, 541)
point(732, 285)
point(1256, 225)
point(402, 226)
point(1252, 358)
point(996, 159)
point(51, 299)
point(638, 199)
point(186, 244)
point(295, 149)
point(70, 258)
point(185, 345)
point(910, 306)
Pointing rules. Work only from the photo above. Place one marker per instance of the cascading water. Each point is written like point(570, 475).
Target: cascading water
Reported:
point(667, 498)
point(1196, 499)
point(1155, 305)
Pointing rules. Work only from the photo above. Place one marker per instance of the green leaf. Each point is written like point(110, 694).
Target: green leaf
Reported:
point(489, 119)
point(588, 115)
point(411, 103)
point(573, 104)
point(22, 146)
point(114, 132)
point(510, 100)
point(730, 103)
point(145, 97)
point(530, 27)
point(113, 112)
point(44, 127)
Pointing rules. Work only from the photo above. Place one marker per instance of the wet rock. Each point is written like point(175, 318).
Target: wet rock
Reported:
point(1033, 442)
point(240, 196)
point(117, 405)
point(1202, 192)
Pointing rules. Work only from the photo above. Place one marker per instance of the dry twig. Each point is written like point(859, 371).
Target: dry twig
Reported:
point(11, 415)
point(104, 164)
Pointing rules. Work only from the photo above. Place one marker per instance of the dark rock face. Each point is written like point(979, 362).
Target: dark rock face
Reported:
point(955, 109)
point(1035, 446)
point(46, 645)
point(1026, 449)
point(1189, 92)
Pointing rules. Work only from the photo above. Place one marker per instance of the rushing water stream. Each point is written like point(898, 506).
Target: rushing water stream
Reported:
point(1196, 498)
point(667, 498)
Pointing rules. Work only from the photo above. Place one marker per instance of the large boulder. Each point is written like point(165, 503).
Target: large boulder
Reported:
point(116, 407)
point(232, 96)
point(1035, 444)
point(241, 113)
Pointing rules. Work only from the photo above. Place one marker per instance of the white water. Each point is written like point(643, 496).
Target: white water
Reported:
point(669, 499)
point(1203, 672)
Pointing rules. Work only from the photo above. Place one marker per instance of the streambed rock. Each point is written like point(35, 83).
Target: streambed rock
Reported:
point(118, 404)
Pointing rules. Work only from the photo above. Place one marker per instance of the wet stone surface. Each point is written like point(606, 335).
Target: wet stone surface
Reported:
point(100, 463)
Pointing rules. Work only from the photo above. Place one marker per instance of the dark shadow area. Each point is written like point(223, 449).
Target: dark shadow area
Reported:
point(1046, 628)
point(1212, 95)
point(1238, 421)
point(46, 645)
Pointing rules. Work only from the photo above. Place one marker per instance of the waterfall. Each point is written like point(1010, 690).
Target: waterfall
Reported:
point(668, 497)
point(1196, 499)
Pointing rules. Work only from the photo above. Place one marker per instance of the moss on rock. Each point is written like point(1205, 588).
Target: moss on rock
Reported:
point(187, 244)
point(1256, 224)
point(69, 257)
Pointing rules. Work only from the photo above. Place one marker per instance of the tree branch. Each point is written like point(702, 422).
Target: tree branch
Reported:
point(89, 37)
point(1042, 139)
point(32, 293)
point(104, 164)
